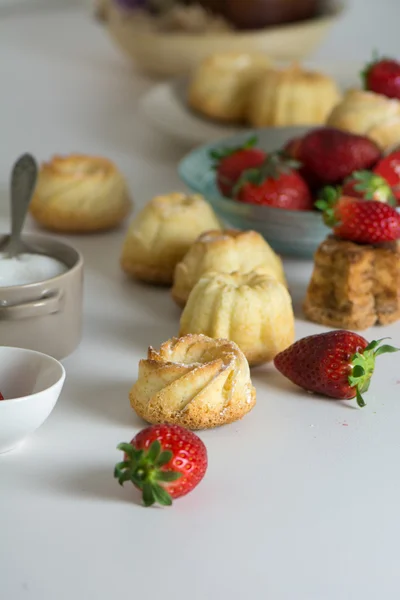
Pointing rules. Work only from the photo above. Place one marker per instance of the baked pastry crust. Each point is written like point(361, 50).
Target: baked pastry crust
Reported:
point(369, 114)
point(224, 252)
point(254, 310)
point(354, 286)
point(292, 96)
point(80, 194)
point(221, 84)
point(193, 381)
point(161, 234)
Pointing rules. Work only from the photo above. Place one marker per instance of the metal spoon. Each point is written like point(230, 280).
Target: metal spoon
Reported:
point(23, 182)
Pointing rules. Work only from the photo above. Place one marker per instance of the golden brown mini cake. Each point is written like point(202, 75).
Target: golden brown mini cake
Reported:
point(354, 286)
point(221, 84)
point(80, 194)
point(369, 114)
point(253, 309)
point(224, 252)
point(292, 96)
point(193, 381)
point(161, 234)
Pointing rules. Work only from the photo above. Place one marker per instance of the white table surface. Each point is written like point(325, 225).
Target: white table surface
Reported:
point(301, 498)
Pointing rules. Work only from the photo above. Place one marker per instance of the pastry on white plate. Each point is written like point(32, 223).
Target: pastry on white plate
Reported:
point(221, 84)
point(292, 96)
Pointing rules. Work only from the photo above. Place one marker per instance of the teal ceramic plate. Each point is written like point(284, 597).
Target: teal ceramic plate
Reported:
point(289, 232)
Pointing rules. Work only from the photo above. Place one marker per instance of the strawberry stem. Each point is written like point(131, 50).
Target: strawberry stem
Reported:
point(145, 469)
point(327, 201)
point(273, 167)
point(373, 187)
point(220, 153)
point(362, 367)
point(365, 72)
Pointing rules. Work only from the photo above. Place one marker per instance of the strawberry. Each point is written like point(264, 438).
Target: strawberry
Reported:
point(368, 186)
point(331, 155)
point(382, 76)
point(231, 162)
point(338, 364)
point(360, 221)
point(389, 168)
point(276, 183)
point(292, 148)
point(164, 462)
point(1, 396)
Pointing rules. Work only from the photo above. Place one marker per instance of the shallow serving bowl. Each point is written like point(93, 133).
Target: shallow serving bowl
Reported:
point(45, 316)
point(289, 232)
point(31, 384)
point(170, 54)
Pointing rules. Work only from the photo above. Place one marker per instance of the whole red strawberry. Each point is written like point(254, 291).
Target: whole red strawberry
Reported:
point(368, 186)
point(331, 155)
point(360, 221)
point(382, 76)
point(338, 364)
point(389, 168)
point(1, 396)
point(164, 462)
point(292, 150)
point(231, 162)
point(276, 183)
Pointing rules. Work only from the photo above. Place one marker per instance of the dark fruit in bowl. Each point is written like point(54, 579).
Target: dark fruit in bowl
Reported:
point(256, 14)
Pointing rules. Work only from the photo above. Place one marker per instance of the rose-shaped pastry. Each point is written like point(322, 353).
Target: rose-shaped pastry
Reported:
point(80, 194)
point(193, 381)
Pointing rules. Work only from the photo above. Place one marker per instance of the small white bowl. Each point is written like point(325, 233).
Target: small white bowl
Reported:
point(31, 384)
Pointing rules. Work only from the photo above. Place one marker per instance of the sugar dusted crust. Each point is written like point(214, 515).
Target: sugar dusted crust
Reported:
point(193, 381)
point(354, 286)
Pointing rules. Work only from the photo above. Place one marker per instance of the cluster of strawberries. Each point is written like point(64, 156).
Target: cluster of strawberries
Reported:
point(340, 173)
point(168, 461)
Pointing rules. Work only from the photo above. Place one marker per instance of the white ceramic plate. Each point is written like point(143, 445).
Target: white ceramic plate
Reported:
point(165, 107)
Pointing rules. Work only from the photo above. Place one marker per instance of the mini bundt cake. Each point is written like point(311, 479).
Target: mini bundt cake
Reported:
point(193, 381)
point(80, 194)
point(161, 234)
point(254, 310)
point(221, 84)
point(370, 114)
point(224, 252)
point(292, 96)
point(354, 286)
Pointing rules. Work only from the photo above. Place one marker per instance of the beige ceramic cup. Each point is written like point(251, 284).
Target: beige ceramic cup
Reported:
point(45, 316)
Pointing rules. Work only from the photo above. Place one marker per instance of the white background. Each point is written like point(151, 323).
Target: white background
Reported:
point(301, 499)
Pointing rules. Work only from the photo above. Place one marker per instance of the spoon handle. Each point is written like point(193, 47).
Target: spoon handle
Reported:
point(23, 181)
